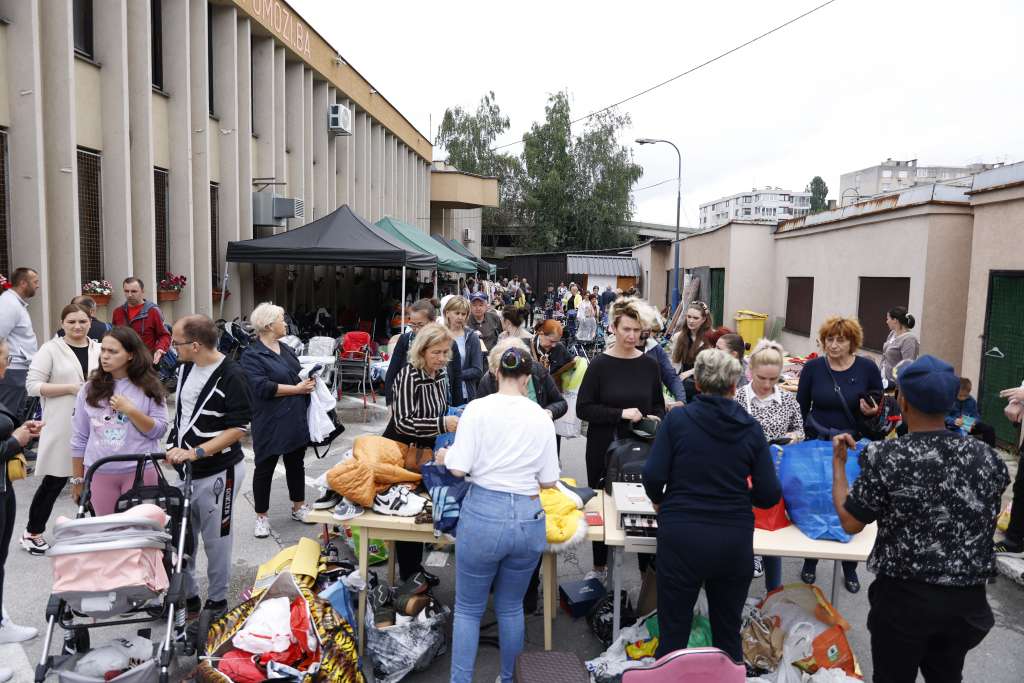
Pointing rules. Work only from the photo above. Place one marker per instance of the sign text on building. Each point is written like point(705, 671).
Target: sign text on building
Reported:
point(276, 16)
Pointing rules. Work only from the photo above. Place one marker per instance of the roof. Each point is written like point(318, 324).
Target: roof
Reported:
point(460, 248)
point(583, 264)
point(998, 178)
point(911, 196)
point(756, 223)
point(447, 259)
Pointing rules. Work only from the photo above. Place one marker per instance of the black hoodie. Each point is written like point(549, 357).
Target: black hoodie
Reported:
point(698, 467)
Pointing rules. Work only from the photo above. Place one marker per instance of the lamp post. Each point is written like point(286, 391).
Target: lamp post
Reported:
point(679, 202)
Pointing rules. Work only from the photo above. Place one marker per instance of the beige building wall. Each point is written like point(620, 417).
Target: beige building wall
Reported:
point(655, 263)
point(750, 273)
point(5, 109)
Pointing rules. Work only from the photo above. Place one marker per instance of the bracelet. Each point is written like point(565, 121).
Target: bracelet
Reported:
point(76, 481)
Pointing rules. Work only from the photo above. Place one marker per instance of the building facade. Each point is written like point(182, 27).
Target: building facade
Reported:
point(767, 205)
point(134, 135)
point(891, 175)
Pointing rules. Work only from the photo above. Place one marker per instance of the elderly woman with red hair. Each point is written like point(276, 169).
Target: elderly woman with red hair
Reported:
point(547, 347)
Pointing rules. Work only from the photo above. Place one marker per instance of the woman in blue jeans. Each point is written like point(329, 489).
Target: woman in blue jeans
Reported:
point(505, 444)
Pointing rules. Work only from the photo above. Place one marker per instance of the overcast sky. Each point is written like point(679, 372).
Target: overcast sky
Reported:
point(845, 88)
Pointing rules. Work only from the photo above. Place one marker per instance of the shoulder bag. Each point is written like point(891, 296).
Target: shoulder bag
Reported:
point(625, 459)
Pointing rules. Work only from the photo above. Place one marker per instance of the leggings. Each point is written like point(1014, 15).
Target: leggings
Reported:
point(43, 502)
point(294, 474)
point(106, 488)
point(8, 509)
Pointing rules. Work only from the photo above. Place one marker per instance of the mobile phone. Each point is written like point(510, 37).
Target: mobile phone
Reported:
point(594, 518)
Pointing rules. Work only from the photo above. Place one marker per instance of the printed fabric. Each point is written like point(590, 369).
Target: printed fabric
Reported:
point(935, 496)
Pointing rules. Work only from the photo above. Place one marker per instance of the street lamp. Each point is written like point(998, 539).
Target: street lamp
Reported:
point(679, 202)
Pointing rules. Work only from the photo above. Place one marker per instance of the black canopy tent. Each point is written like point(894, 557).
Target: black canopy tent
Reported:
point(341, 238)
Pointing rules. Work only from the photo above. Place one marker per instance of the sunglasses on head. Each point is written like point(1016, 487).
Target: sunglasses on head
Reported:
point(699, 304)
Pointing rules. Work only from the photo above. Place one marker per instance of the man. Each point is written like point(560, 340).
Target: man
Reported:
point(421, 313)
point(144, 317)
point(607, 298)
point(213, 412)
point(935, 496)
point(529, 299)
point(486, 322)
point(16, 328)
point(550, 297)
point(97, 328)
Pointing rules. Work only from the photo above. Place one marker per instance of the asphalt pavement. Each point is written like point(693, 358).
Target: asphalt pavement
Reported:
point(999, 658)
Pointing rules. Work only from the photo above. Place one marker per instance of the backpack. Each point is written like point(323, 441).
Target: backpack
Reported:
point(625, 459)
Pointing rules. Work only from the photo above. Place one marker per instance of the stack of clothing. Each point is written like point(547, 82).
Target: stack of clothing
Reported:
point(375, 466)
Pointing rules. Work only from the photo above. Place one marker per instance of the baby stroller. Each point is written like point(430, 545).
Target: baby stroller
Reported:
point(122, 568)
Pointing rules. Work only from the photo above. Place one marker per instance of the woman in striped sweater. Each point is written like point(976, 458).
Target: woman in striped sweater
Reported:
point(419, 407)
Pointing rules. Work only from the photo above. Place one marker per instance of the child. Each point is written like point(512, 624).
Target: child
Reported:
point(964, 416)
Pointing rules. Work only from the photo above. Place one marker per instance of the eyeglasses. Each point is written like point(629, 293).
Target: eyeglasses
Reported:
point(181, 343)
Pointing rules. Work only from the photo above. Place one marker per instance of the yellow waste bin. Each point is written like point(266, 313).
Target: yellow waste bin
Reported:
point(750, 326)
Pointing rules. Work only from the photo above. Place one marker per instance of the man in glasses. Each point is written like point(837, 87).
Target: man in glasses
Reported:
point(421, 313)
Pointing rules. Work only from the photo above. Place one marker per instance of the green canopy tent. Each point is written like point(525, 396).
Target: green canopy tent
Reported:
point(447, 259)
point(483, 266)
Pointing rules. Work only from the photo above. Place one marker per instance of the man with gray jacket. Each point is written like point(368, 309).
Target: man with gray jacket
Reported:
point(16, 328)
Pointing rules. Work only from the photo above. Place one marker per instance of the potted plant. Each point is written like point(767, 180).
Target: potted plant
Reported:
point(219, 294)
point(5, 284)
point(98, 290)
point(169, 288)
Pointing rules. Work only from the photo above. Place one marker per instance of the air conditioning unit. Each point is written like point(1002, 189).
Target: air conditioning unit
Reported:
point(467, 235)
point(339, 120)
point(270, 209)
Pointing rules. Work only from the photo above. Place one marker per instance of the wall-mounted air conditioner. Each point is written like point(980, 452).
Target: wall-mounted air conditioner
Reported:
point(339, 120)
point(270, 209)
point(467, 235)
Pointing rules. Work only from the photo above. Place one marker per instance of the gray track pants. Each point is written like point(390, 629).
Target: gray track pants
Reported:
point(212, 519)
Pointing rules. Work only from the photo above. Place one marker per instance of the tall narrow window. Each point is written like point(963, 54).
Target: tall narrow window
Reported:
point(82, 19)
point(5, 241)
point(156, 22)
point(214, 236)
point(90, 215)
point(161, 223)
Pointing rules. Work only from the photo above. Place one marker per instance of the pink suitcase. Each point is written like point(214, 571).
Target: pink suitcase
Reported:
point(694, 665)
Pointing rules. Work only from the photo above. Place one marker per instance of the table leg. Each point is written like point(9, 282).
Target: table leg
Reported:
point(391, 563)
point(549, 565)
point(616, 569)
point(835, 581)
point(364, 563)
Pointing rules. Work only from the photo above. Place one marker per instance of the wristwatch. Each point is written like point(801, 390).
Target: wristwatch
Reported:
point(200, 453)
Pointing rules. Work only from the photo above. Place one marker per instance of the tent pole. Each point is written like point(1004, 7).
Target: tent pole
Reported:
point(401, 306)
point(223, 292)
point(435, 283)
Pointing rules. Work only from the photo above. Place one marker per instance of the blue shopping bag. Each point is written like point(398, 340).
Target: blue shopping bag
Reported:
point(806, 476)
point(446, 494)
point(448, 438)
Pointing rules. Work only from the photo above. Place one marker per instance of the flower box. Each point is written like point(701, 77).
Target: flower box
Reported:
point(167, 295)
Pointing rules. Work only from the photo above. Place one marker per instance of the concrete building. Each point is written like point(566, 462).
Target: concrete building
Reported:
point(766, 205)
point(135, 133)
point(891, 175)
point(456, 201)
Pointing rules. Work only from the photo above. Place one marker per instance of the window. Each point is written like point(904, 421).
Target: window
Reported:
point(902, 175)
point(5, 242)
point(747, 199)
point(214, 237)
point(161, 222)
point(82, 20)
point(922, 173)
point(156, 23)
point(887, 173)
point(799, 304)
point(877, 296)
point(746, 212)
point(90, 215)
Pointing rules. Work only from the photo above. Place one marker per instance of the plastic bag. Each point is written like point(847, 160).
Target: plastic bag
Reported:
point(1003, 521)
point(399, 650)
point(377, 550)
point(600, 617)
point(610, 665)
point(774, 517)
point(806, 476)
point(446, 494)
point(448, 438)
point(569, 426)
point(120, 654)
point(815, 632)
point(268, 628)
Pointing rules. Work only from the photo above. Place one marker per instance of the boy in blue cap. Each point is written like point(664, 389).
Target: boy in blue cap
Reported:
point(935, 496)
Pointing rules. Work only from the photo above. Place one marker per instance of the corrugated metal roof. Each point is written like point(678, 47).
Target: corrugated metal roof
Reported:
point(912, 196)
point(998, 177)
point(624, 266)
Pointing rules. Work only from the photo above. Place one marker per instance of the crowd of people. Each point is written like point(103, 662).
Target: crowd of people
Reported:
point(485, 364)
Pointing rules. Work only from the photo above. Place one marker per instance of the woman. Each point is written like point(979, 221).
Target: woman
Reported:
point(696, 475)
point(652, 323)
point(548, 349)
point(121, 410)
point(778, 413)
point(12, 442)
point(506, 444)
point(833, 396)
point(690, 341)
point(573, 298)
point(900, 347)
point(733, 344)
point(419, 412)
point(586, 328)
point(280, 428)
point(467, 351)
point(512, 320)
point(58, 371)
point(622, 386)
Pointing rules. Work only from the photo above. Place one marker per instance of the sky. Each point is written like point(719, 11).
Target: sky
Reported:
point(847, 87)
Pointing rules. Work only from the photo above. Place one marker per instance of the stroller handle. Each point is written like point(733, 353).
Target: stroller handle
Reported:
point(138, 458)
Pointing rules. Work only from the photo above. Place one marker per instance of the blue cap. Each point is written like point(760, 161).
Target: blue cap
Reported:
point(929, 384)
point(478, 296)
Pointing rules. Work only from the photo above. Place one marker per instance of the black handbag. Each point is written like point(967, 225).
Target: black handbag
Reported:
point(625, 459)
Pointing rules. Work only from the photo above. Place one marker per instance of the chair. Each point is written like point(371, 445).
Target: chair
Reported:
point(693, 665)
point(354, 365)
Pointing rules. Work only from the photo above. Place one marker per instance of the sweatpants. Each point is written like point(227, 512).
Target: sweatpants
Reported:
point(919, 626)
point(294, 475)
point(43, 501)
point(212, 518)
point(718, 558)
point(8, 509)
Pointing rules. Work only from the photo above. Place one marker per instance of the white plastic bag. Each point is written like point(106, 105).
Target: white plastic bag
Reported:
point(569, 426)
point(120, 654)
point(832, 676)
point(268, 628)
point(796, 646)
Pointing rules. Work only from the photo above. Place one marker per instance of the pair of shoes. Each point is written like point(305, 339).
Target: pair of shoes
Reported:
point(327, 501)
point(379, 597)
point(1006, 549)
point(262, 529)
point(14, 633)
point(34, 544)
point(852, 584)
point(399, 501)
point(599, 574)
point(758, 567)
point(302, 514)
point(346, 510)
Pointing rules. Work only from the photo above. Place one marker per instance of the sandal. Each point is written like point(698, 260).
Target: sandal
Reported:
point(809, 576)
point(852, 584)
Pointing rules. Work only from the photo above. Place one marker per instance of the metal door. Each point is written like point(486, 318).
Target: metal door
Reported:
point(716, 298)
point(1002, 354)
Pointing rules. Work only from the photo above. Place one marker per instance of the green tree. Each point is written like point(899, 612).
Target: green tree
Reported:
point(819, 193)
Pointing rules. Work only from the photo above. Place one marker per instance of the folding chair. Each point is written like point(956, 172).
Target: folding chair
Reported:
point(354, 365)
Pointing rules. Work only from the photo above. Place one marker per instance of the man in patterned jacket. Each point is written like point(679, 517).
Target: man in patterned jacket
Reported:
point(935, 495)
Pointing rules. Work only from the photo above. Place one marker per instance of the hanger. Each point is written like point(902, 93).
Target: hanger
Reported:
point(994, 352)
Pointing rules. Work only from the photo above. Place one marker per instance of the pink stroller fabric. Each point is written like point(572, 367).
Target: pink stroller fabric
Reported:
point(694, 665)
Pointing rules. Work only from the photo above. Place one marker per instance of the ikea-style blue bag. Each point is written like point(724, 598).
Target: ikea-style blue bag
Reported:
point(446, 494)
point(448, 438)
point(806, 476)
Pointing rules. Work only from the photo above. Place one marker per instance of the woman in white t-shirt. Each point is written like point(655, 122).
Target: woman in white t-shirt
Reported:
point(506, 445)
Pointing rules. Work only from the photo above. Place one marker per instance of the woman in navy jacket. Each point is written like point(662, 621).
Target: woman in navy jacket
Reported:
point(280, 428)
point(696, 476)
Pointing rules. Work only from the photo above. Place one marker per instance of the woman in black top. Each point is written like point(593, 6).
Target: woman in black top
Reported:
point(622, 386)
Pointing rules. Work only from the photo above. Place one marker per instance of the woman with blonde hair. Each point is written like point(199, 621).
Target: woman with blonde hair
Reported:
point(467, 363)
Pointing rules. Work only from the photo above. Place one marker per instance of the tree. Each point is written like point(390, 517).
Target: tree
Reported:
point(819, 192)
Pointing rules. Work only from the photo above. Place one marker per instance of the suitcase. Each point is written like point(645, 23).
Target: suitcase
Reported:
point(539, 666)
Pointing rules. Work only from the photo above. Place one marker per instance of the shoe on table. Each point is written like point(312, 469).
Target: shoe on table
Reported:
point(327, 501)
point(35, 545)
point(399, 501)
point(262, 529)
point(758, 567)
point(13, 633)
point(599, 574)
point(1005, 548)
point(302, 514)
point(346, 510)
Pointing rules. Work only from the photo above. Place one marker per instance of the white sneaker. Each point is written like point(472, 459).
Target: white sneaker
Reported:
point(35, 545)
point(346, 510)
point(302, 513)
point(398, 501)
point(6, 674)
point(262, 529)
point(13, 633)
point(758, 567)
point(601, 576)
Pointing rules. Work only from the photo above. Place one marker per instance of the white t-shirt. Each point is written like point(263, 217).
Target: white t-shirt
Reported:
point(505, 443)
point(188, 394)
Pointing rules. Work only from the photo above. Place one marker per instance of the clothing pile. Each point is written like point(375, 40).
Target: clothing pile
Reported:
point(277, 631)
point(563, 507)
point(376, 464)
point(122, 655)
point(406, 627)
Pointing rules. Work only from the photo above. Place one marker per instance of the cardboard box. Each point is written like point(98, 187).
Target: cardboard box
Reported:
point(579, 597)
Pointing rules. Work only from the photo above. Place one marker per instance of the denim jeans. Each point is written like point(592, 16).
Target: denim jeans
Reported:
point(499, 539)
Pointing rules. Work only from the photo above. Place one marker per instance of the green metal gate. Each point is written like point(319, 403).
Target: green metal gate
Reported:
point(717, 298)
point(1002, 359)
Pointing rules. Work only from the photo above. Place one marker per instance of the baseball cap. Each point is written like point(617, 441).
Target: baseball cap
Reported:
point(478, 296)
point(929, 384)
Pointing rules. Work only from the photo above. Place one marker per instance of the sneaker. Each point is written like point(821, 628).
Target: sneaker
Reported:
point(417, 584)
point(262, 529)
point(327, 501)
point(302, 514)
point(192, 607)
point(1006, 549)
point(35, 545)
point(398, 501)
point(6, 674)
point(346, 510)
point(379, 597)
point(758, 567)
point(600, 575)
point(13, 633)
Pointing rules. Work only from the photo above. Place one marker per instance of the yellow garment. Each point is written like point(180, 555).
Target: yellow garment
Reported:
point(301, 559)
point(642, 648)
point(563, 518)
